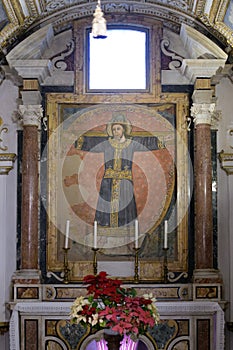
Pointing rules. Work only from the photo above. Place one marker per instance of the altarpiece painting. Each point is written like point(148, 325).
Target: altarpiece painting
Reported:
point(93, 177)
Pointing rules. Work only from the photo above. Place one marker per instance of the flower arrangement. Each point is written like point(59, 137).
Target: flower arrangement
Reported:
point(109, 305)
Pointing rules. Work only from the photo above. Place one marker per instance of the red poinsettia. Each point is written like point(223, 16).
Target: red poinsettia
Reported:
point(108, 305)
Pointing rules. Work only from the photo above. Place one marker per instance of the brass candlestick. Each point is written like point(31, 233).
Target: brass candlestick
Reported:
point(95, 250)
point(136, 266)
point(66, 266)
point(165, 265)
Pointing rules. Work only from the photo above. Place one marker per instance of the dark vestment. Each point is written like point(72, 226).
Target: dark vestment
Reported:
point(116, 204)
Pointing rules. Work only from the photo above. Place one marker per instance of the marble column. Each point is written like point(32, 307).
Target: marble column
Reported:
point(207, 280)
point(202, 112)
point(31, 116)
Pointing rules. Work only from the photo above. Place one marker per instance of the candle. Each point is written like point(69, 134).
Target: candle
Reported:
point(165, 235)
point(67, 233)
point(136, 233)
point(95, 235)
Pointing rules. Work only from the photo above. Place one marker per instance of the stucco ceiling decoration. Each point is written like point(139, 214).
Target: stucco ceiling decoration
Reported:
point(22, 17)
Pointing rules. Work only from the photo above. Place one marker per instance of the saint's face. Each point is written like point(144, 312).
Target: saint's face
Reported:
point(117, 131)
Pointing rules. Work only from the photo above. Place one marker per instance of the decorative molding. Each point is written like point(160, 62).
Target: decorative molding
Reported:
point(32, 69)
point(173, 278)
point(3, 128)
point(227, 32)
point(59, 60)
point(218, 10)
point(14, 11)
point(162, 292)
point(194, 68)
point(176, 60)
point(6, 162)
point(207, 291)
point(52, 274)
point(6, 159)
point(230, 132)
point(226, 162)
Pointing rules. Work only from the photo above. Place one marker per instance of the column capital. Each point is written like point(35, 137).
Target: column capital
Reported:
point(31, 115)
point(202, 113)
point(203, 109)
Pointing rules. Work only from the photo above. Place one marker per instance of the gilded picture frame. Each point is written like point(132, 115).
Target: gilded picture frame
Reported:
point(69, 119)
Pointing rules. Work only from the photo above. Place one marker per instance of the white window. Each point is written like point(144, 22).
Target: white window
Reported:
point(118, 62)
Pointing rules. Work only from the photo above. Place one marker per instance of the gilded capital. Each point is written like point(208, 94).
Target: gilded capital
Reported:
point(31, 115)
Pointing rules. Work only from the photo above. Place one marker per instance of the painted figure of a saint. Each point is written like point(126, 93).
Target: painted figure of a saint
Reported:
point(116, 205)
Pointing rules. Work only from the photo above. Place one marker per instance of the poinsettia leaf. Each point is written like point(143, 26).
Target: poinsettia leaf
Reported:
point(110, 305)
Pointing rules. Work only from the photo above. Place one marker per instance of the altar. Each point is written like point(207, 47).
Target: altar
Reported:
point(184, 325)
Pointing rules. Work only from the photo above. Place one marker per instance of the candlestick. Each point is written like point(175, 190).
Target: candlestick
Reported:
point(67, 234)
point(95, 269)
point(136, 233)
point(136, 265)
point(95, 235)
point(66, 266)
point(165, 265)
point(165, 235)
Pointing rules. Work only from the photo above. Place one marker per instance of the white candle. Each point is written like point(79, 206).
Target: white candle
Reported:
point(95, 235)
point(67, 234)
point(165, 235)
point(136, 233)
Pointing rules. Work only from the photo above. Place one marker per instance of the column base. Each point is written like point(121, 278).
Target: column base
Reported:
point(27, 285)
point(207, 285)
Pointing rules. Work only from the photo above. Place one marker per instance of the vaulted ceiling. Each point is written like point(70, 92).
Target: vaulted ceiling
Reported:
point(20, 18)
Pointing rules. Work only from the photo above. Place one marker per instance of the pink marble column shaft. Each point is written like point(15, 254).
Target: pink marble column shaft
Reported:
point(29, 233)
point(203, 198)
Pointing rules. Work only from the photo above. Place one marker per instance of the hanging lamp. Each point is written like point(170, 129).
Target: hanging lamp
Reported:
point(99, 27)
